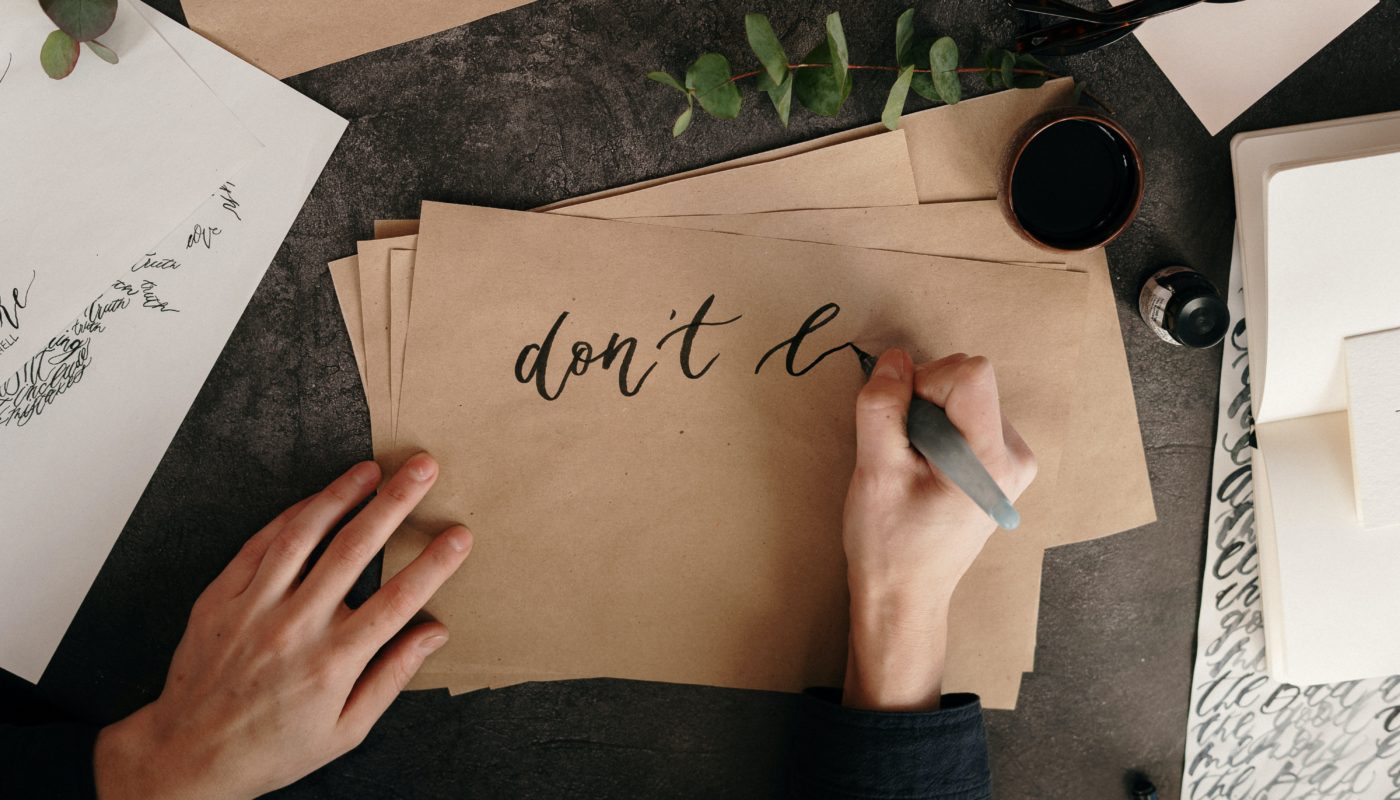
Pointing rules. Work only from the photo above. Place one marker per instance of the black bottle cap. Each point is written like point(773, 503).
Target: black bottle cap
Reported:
point(1198, 321)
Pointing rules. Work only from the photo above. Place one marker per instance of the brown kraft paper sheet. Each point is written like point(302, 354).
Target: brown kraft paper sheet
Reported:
point(675, 567)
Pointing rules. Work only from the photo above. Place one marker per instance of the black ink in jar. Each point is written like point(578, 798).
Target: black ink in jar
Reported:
point(1072, 180)
point(1184, 308)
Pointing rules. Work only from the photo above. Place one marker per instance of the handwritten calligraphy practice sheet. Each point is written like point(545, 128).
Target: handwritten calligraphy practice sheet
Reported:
point(1249, 737)
point(97, 166)
point(98, 404)
point(654, 424)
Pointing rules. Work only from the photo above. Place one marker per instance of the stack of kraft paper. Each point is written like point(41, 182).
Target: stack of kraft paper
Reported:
point(651, 497)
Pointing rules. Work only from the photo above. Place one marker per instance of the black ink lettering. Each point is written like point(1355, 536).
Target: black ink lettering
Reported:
point(202, 235)
point(151, 300)
point(532, 364)
point(149, 261)
point(688, 340)
point(615, 347)
point(536, 373)
point(38, 384)
point(226, 195)
point(9, 315)
point(816, 320)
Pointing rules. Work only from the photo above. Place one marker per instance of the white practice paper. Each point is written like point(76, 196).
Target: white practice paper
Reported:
point(1223, 57)
point(1332, 273)
point(96, 166)
point(1249, 737)
point(1373, 417)
point(98, 406)
point(1255, 157)
point(1319, 274)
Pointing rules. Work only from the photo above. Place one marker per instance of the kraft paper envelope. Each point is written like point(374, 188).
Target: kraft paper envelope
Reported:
point(1103, 420)
point(345, 275)
point(942, 229)
point(956, 151)
point(669, 544)
point(288, 37)
point(873, 171)
point(400, 288)
point(373, 258)
point(969, 229)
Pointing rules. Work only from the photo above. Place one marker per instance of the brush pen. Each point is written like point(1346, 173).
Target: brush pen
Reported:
point(938, 440)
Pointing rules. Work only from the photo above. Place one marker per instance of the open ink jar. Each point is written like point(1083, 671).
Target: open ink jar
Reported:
point(1183, 307)
point(1072, 180)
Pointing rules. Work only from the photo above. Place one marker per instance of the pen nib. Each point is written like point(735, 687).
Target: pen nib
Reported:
point(867, 361)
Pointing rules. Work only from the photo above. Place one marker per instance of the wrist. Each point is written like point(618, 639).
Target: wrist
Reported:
point(898, 643)
point(129, 761)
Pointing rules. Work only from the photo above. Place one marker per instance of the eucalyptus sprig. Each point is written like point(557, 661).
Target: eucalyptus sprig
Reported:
point(822, 80)
point(79, 22)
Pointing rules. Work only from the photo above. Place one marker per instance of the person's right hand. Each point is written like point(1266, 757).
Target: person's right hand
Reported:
point(276, 675)
point(910, 533)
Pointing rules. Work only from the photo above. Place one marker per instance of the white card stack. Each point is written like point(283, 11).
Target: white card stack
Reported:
point(1317, 207)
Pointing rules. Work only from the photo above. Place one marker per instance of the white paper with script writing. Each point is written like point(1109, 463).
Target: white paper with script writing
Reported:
point(96, 166)
point(1249, 737)
point(85, 421)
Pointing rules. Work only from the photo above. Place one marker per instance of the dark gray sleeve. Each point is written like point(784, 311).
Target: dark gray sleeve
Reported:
point(47, 761)
point(845, 753)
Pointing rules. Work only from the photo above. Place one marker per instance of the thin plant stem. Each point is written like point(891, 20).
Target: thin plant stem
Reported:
point(959, 70)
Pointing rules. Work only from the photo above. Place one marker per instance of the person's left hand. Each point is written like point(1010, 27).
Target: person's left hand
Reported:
point(276, 675)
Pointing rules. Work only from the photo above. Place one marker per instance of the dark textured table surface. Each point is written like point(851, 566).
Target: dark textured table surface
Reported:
point(547, 102)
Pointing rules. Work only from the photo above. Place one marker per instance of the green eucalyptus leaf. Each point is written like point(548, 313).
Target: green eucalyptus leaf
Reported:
point(58, 55)
point(766, 46)
point(1008, 69)
point(818, 89)
point(922, 84)
point(1078, 96)
point(894, 104)
point(82, 20)
point(948, 87)
point(708, 78)
point(943, 55)
point(665, 79)
point(1027, 61)
point(943, 60)
point(1028, 81)
point(780, 94)
point(103, 51)
point(992, 68)
point(836, 45)
point(904, 39)
point(683, 121)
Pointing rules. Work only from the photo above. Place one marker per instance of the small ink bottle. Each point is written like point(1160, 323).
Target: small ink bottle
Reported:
point(1183, 308)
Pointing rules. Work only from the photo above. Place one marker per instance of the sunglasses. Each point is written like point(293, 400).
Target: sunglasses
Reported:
point(1083, 30)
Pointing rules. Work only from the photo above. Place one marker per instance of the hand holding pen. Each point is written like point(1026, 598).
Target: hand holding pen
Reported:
point(910, 533)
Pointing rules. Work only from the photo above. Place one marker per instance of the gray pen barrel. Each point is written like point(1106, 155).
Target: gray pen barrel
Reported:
point(939, 441)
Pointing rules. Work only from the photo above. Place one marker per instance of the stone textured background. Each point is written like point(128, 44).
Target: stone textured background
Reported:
point(547, 102)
